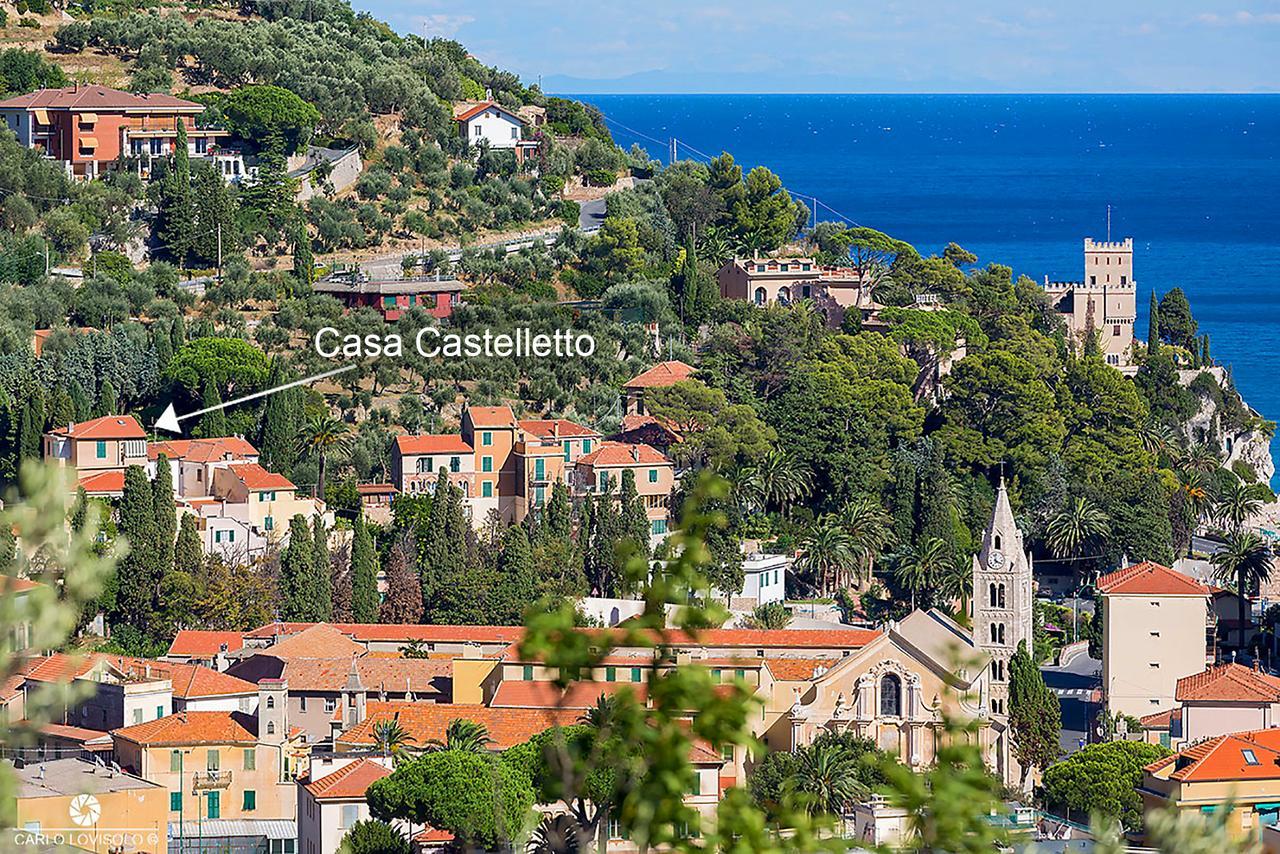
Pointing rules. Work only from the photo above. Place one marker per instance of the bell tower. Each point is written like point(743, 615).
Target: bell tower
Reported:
point(1003, 602)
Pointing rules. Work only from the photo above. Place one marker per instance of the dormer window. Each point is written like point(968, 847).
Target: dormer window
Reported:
point(1250, 758)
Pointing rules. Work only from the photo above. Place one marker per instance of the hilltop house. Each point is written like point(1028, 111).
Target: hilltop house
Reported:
point(491, 123)
point(89, 128)
point(99, 450)
point(784, 281)
point(435, 295)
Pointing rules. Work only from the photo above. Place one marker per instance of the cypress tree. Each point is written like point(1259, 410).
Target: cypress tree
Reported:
point(1153, 326)
point(30, 431)
point(443, 551)
point(323, 569)
point(188, 555)
point(165, 514)
point(902, 500)
point(62, 410)
point(107, 402)
point(83, 406)
point(8, 549)
point(278, 426)
point(177, 219)
point(303, 260)
point(935, 503)
point(1206, 357)
point(404, 596)
point(163, 346)
point(1035, 716)
point(633, 523)
point(139, 571)
point(300, 589)
point(517, 586)
point(557, 519)
point(212, 424)
point(214, 211)
point(177, 333)
point(364, 574)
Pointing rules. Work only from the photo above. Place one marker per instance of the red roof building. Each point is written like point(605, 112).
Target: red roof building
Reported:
point(1148, 578)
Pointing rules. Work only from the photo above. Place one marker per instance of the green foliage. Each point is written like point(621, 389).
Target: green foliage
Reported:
point(1176, 324)
point(23, 71)
point(1102, 779)
point(771, 615)
point(305, 586)
point(364, 574)
point(373, 837)
point(230, 364)
point(269, 116)
point(1035, 716)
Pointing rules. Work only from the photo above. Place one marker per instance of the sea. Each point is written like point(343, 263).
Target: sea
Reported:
point(1023, 179)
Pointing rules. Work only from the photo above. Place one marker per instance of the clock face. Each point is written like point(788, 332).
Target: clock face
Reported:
point(995, 560)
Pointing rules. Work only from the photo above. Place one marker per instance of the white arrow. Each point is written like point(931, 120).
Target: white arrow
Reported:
point(168, 421)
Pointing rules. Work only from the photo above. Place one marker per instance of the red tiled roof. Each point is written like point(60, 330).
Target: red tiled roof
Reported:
point(194, 728)
point(1160, 720)
point(192, 680)
point(420, 675)
point(492, 416)
point(80, 734)
point(448, 443)
point(59, 667)
point(558, 428)
point(425, 722)
point(13, 584)
point(106, 427)
point(797, 669)
point(661, 375)
point(1230, 683)
point(349, 782)
point(376, 488)
point(479, 108)
point(257, 478)
point(203, 450)
point(548, 695)
point(200, 642)
point(317, 641)
point(1223, 758)
point(1150, 579)
point(390, 632)
point(11, 688)
point(631, 423)
point(620, 454)
point(94, 97)
point(103, 483)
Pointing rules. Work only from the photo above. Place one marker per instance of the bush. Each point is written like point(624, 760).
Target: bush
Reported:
point(601, 177)
point(373, 837)
point(31, 23)
point(570, 212)
point(1102, 778)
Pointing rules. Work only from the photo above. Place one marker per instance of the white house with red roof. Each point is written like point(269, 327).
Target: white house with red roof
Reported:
point(331, 798)
point(192, 462)
point(491, 123)
point(107, 444)
point(1155, 631)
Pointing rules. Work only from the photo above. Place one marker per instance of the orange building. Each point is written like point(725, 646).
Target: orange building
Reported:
point(90, 127)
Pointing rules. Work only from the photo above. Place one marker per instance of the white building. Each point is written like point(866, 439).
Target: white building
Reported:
point(495, 125)
point(764, 580)
point(332, 798)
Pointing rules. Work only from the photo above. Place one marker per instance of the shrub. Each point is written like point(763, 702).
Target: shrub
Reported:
point(570, 212)
point(601, 177)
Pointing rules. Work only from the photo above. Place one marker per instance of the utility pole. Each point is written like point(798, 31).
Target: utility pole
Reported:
point(46, 259)
point(220, 252)
point(1108, 223)
point(671, 158)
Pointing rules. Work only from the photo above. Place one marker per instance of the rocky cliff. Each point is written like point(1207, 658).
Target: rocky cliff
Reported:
point(1227, 421)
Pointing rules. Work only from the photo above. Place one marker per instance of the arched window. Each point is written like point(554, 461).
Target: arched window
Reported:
point(271, 702)
point(997, 670)
point(996, 542)
point(891, 696)
point(271, 727)
point(784, 296)
point(760, 296)
point(1001, 597)
point(1000, 633)
point(991, 595)
point(993, 634)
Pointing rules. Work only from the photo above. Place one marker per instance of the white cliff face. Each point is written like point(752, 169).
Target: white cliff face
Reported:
point(1253, 447)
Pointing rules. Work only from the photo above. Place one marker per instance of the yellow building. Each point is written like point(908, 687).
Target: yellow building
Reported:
point(82, 805)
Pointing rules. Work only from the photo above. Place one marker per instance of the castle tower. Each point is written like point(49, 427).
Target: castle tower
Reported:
point(1110, 291)
point(273, 711)
point(1003, 602)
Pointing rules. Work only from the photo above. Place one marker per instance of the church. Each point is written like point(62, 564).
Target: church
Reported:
point(895, 689)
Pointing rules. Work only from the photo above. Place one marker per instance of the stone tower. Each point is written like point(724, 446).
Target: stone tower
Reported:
point(1104, 303)
point(273, 711)
point(1003, 602)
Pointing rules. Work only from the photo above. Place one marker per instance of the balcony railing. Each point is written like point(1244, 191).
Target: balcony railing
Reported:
point(210, 780)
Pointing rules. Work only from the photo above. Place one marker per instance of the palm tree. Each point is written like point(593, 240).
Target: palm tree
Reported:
point(783, 481)
point(868, 526)
point(1162, 440)
point(1236, 503)
point(392, 739)
point(320, 436)
point(602, 715)
point(956, 582)
point(463, 736)
point(919, 569)
point(1202, 458)
point(556, 834)
point(1246, 561)
point(826, 775)
point(827, 555)
point(1074, 526)
point(748, 489)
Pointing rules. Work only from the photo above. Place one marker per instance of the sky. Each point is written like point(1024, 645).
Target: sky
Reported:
point(860, 46)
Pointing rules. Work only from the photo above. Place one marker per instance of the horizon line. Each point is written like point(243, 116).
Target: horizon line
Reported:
point(1270, 93)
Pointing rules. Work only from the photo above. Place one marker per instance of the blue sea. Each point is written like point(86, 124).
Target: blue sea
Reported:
point(1022, 179)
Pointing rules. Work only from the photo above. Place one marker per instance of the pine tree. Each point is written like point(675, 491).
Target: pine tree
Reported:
point(404, 596)
point(301, 588)
point(633, 522)
point(364, 574)
point(166, 514)
point(139, 571)
point(1153, 326)
point(1035, 717)
point(177, 220)
point(188, 555)
point(107, 402)
point(212, 424)
point(516, 587)
point(323, 568)
point(278, 426)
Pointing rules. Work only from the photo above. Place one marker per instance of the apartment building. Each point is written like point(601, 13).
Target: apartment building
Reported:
point(601, 471)
point(492, 431)
point(193, 462)
point(99, 446)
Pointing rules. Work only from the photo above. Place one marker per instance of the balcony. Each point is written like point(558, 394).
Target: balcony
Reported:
point(202, 780)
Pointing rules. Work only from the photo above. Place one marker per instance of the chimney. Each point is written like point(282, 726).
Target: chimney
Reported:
point(1257, 666)
point(635, 453)
point(555, 429)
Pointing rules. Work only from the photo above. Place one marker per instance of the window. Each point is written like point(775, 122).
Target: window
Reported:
point(271, 702)
point(486, 464)
point(157, 147)
point(455, 464)
point(1155, 665)
point(760, 296)
point(1115, 330)
point(271, 727)
point(202, 145)
point(330, 704)
point(159, 712)
point(716, 675)
point(658, 526)
point(1000, 591)
point(1249, 757)
point(1124, 280)
point(586, 446)
point(478, 131)
point(250, 759)
point(175, 801)
point(527, 673)
point(515, 133)
point(1093, 280)
point(212, 760)
point(611, 674)
point(740, 674)
point(604, 481)
point(726, 753)
point(653, 475)
point(175, 761)
point(137, 716)
point(101, 449)
point(250, 800)
point(991, 595)
point(350, 815)
point(636, 674)
point(539, 496)
point(214, 809)
point(568, 449)
point(486, 438)
point(539, 469)
point(891, 696)
point(486, 489)
point(389, 301)
point(269, 523)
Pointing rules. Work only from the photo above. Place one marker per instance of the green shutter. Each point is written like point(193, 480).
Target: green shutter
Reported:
point(214, 809)
point(175, 801)
point(250, 800)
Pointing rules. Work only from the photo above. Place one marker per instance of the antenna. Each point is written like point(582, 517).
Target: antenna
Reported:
point(1108, 223)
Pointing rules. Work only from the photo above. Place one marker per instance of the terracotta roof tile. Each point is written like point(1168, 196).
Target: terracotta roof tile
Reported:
point(1223, 758)
point(428, 721)
point(558, 428)
point(376, 488)
point(194, 728)
point(257, 478)
point(471, 112)
point(349, 782)
point(59, 667)
point(548, 695)
point(797, 669)
point(661, 375)
point(106, 427)
point(102, 482)
point(203, 450)
point(317, 641)
point(91, 97)
point(422, 675)
point(621, 454)
point(200, 642)
point(1229, 682)
point(1150, 579)
point(448, 443)
point(492, 416)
